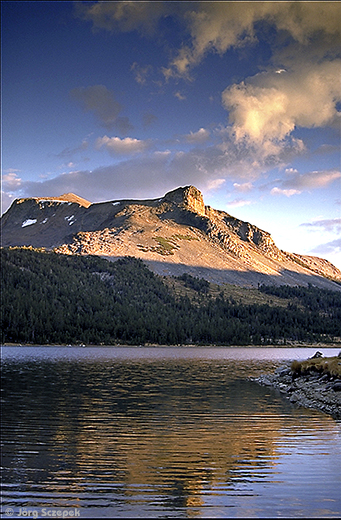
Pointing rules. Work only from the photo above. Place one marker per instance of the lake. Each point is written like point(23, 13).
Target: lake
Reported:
point(162, 432)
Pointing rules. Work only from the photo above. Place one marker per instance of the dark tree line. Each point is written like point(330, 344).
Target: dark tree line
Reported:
point(313, 298)
point(51, 298)
point(193, 282)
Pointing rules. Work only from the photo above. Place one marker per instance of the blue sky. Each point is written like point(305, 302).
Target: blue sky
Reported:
point(114, 100)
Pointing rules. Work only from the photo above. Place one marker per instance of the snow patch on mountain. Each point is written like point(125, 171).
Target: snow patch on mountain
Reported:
point(29, 222)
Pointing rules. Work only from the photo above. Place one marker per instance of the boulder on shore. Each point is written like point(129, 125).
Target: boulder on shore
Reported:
point(311, 389)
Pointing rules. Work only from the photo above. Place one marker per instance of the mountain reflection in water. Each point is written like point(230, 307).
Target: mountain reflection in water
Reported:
point(178, 434)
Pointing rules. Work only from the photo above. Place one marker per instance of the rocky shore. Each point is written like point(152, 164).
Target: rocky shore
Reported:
point(311, 388)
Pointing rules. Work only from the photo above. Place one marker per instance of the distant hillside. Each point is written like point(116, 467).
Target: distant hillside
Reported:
point(174, 234)
point(51, 298)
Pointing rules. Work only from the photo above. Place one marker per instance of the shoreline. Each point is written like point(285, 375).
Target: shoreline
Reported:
point(315, 390)
point(292, 345)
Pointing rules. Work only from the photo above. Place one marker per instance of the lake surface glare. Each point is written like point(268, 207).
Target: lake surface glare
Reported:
point(162, 432)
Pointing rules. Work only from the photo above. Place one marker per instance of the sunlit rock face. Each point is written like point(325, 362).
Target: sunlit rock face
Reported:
point(189, 198)
point(173, 234)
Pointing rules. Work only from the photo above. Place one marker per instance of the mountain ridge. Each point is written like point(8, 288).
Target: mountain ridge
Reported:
point(173, 234)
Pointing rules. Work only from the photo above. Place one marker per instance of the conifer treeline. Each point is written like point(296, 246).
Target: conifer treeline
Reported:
point(52, 298)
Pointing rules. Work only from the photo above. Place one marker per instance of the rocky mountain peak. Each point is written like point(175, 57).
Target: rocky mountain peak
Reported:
point(66, 197)
point(71, 197)
point(189, 197)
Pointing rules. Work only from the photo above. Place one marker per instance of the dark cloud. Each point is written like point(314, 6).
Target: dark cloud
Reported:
point(153, 172)
point(329, 225)
point(144, 176)
point(123, 16)
point(295, 183)
point(141, 73)
point(102, 102)
point(333, 247)
point(68, 152)
point(311, 180)
point(148, 119)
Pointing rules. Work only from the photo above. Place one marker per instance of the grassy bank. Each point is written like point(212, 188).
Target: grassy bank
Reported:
point(323, 365)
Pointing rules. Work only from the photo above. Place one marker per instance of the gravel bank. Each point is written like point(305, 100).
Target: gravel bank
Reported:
point(311, 390)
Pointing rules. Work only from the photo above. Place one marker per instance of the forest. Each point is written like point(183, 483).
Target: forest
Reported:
point(49, 298)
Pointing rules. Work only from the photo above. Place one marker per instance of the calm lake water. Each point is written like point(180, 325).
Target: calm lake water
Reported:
point(164, 432)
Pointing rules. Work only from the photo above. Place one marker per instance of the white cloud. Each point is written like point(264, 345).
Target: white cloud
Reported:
point(238, 203)
point(197, 137)
point(10, 180)
point(115, 145)
point(214, 184)
point(265, 110)
point(11, 170)
point(287, 193)
point(181, 97)
point(162, 153)
point(245, 187)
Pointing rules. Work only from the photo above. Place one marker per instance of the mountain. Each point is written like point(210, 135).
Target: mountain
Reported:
point(174, 234)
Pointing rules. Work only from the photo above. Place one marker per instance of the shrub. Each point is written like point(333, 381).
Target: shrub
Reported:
point(296, 367)
point(330, 366)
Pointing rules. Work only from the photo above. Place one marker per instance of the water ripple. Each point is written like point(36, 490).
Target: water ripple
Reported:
point(162, 434)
